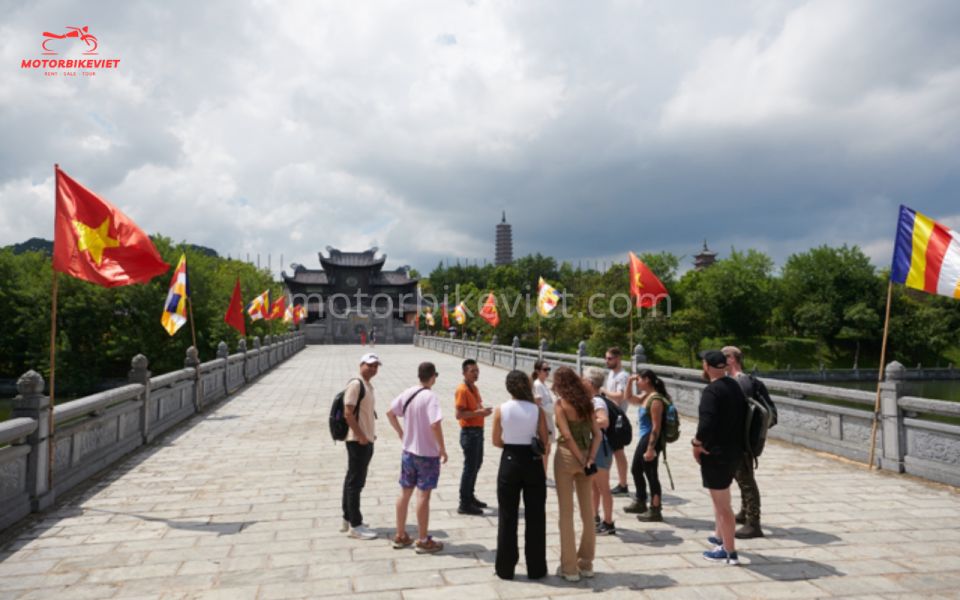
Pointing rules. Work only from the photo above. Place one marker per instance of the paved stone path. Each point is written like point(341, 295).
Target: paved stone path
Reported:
point(245, 503)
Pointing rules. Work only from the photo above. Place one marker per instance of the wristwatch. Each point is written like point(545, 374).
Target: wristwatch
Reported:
point(695, 442)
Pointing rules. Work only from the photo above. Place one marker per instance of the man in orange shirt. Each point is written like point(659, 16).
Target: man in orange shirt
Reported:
point(470, 414)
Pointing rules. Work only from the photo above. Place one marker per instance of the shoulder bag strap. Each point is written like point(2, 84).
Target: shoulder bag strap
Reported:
point(410, 399)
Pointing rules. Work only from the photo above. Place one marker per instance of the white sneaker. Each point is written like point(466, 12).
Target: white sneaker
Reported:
point(574, 578)
point(361, 532)
point(345, 526)
point(588, 573)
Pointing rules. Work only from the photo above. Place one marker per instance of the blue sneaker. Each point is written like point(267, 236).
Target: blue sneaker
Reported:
point(720, 555)
point(715, 540)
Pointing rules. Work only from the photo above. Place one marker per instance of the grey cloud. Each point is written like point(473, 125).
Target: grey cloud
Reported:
point(600, 128)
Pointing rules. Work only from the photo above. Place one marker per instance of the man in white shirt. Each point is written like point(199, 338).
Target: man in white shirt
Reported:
point(614, 388)
point(423, 452)
point(361, 421)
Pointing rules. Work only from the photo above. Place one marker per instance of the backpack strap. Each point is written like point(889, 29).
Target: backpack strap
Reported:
point(410, 399)
point(363, 390)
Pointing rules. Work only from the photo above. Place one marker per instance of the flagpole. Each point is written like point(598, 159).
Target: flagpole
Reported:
point(193, 329)
point(632, 306)
point(53, 376)
point(53, 350)
point(880, 374)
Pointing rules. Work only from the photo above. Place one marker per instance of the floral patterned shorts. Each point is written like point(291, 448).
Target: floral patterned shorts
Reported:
point(420, 471)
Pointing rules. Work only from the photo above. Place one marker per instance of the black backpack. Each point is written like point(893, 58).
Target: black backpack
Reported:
point(757, 421)
point(761, 395)
point(619, 431)
point(338, 419)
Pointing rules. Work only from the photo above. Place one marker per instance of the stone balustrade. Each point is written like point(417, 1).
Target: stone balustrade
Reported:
point(920, 436)
point(94, 432)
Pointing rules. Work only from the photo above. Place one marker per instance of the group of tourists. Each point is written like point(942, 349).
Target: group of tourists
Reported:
point(582, 422)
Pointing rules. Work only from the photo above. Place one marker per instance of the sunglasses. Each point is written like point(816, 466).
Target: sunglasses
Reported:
point(545, 369)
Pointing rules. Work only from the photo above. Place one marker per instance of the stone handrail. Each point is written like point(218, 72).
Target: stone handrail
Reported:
point(13, 430)
point(822, 417)
point(94, 432)
point(96, 403)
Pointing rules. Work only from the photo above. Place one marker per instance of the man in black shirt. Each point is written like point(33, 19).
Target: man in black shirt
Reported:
point(718, 449)
point(749, 513)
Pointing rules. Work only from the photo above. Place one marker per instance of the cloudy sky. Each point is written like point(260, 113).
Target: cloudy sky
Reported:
point(601, 127)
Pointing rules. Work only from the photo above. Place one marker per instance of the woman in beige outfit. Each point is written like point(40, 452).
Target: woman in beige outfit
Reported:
point(573, 467)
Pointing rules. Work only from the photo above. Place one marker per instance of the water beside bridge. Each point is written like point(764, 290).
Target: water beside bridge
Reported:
point(937, 390)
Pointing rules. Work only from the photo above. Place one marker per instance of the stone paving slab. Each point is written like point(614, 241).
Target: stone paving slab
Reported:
point(244, 502)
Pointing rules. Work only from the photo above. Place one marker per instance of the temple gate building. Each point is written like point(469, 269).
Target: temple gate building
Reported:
point(352, 296)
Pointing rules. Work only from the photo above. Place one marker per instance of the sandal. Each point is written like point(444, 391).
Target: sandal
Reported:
point(402, 541)
point(429, 546)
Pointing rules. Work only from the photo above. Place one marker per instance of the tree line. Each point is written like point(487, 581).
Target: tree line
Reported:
point(100, 329)
point(824, 307)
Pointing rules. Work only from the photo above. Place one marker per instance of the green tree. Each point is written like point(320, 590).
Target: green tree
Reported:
point(860, 323)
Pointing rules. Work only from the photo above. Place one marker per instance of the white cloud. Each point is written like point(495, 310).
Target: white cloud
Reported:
point(600, 127)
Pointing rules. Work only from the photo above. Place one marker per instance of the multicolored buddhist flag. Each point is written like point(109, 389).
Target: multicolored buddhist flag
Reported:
point(234, 314)
point(547, 298)
point(259, 306)
point(460, 314)
point(428, 317)
point(926, 255)
point(299, 313)
point(645, 287)
point(489, 311)
point(175, 307)
point(94, 241)
point(288, 315)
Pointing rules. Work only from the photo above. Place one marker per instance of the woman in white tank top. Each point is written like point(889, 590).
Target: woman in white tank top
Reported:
point(516, 424)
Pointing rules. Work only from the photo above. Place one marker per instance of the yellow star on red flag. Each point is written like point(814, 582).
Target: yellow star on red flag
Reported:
point(95, 240)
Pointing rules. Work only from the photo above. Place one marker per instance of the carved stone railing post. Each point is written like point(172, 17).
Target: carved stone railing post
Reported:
point(224, 353)
point(581, 354)
point(242, 348)
point(639, 357)
point(541, 348)
point(493, 349)
point(139, 373)
point(192, 361)
point(513, 352)
point(31, 403)
point(891, 419)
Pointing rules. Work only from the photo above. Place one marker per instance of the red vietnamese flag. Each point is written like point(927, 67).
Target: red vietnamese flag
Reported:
point(644, 285)
point(276, 311)
point(445, 318)
point(94, 241)
point(489, 311)
point(234, 316)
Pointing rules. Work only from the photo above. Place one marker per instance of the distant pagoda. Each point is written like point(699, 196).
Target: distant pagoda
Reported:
point(504, 248)
point(705, 258)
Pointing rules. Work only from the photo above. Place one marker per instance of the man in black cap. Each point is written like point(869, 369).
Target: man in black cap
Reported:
point(718, 449)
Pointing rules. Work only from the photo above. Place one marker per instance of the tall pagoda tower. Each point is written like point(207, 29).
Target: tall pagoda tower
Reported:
point(504, 248)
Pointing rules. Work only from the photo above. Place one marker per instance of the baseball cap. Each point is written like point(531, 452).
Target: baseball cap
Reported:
point(714, 358)
point(370, 359)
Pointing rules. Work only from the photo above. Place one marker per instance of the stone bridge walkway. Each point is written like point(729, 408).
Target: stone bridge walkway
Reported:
point(244, 503)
